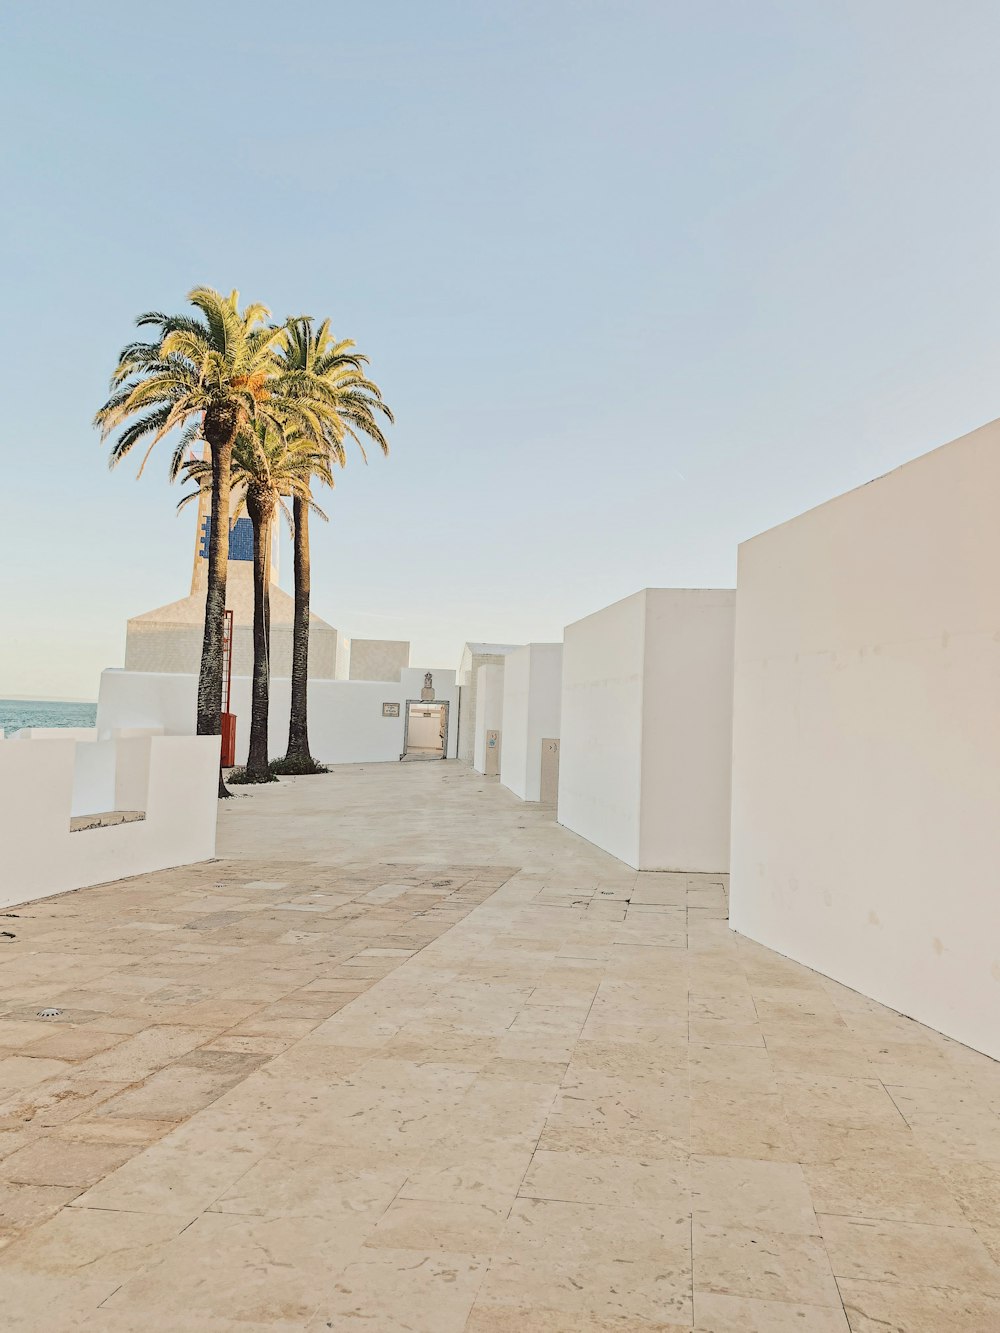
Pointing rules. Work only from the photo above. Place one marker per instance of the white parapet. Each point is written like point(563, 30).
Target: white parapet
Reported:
point(349, 722)
point(532, 702)
point(866, 784)
point(74, 814)
point(647, 728)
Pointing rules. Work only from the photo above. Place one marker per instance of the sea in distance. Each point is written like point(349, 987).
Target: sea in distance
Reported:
point(18, 713)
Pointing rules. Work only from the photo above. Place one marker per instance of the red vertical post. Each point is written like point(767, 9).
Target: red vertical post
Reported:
point(228, 718)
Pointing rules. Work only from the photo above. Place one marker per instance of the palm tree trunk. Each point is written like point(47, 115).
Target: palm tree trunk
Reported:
point(220, 432)
point(298, 728)
point(261, 513)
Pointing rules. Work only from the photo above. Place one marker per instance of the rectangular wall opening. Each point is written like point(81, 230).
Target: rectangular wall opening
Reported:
point(426, 732)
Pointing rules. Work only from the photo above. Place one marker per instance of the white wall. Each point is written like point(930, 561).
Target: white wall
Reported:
point(474, 655)
point(600, 761)
point(425, 732)
point(40, 856)
point(646, 728)
point(687, 729)
point(532, 701)
point(866, 785)
point(489, 711)
point(346, 725)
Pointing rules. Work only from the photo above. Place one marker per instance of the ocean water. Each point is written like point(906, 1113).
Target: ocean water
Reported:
point(18, 713)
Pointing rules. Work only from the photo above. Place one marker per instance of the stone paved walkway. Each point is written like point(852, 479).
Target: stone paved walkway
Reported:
point(412, 1057)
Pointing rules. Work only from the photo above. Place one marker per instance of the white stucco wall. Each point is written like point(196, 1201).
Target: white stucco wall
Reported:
point(489, 711)
point(687, 729)
point(646, 728)
point(532, 701)
point(346, 725)
point(600, 763)
point(866, 797)
point(173, 779)
point(474, 655)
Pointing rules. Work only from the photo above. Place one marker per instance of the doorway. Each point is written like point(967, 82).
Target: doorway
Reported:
point(425, 735)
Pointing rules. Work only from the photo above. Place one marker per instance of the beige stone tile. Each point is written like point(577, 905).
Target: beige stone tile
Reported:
point(752, 1126)
point(494, 1320)
point(235, 1269)
point(17, 1034)
point(715, 1313)
point(619, 1182)
point(975, 1186)
point(468, 1169)
point(905, 1252)
point(140, 1132)
point(726, 1032)
point(182, 1174)
point(23, 1206)
point(52, 1161)
point(18, 1072)
point(402, 1291)
point(625, 1294)
point(758, 1266)
point(55, 1101)
point(309, 1181)
point(816, 1141)
point(37, 1301)
point(888, 1188)
point(174, 1093)
point(535, 1320)
point(429, 1226)
point(963, 1136)
point(141, 1055)
point(615, 1140)
point(634, 1061)
point(90, 1242)
point(874, 1307)
point(765, 1196)
point(575, 1232)
point(73, 1044)
point(856, 1102)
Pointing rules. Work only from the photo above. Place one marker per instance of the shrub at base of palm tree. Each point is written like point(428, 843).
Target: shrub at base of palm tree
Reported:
point(296, 766)
point(239, 777)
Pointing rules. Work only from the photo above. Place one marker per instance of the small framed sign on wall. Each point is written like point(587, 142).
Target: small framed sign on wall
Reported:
point(390, 710)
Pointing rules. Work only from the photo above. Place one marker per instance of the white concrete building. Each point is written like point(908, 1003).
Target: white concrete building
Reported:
point(647, 728)
point(532, 705)
point(866, 782)
point(77, 813)
point(474, 655)
point(488, 742)
point(169, 638)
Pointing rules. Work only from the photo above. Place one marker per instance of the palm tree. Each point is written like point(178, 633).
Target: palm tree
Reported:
point(353, 404)
point(211, 374)
point(267, 466)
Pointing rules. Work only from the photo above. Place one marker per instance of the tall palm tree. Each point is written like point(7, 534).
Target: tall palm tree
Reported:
point(267, 466)
point(353, 405)
point(212, 372)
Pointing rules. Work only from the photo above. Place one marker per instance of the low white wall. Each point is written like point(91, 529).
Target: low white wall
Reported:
point(489, 711)
point(54, 734)
point(532, 704)
point(42, 857)
point(346, 725)
point(646, 728)
point(866, 784)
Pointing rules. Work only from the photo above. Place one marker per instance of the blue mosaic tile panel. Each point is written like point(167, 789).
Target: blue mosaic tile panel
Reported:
point(240, 539)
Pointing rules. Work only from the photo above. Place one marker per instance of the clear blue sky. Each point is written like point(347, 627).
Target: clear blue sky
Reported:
point(640, 278)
